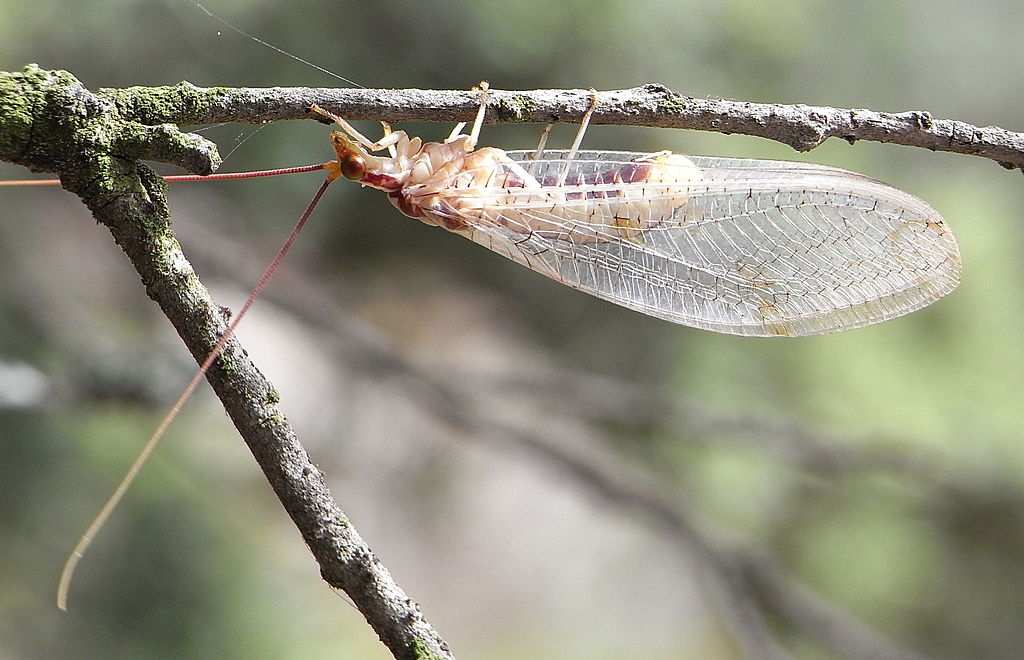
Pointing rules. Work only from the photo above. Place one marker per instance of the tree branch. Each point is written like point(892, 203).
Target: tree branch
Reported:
point(49, 122)
point(802, 127)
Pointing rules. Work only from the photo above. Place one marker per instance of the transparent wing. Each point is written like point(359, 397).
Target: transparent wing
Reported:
point(740, 246)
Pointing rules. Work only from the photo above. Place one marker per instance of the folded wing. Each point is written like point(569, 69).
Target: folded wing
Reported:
point(740, 246)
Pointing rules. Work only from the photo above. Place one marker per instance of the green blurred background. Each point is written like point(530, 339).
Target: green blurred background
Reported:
point(882, 467)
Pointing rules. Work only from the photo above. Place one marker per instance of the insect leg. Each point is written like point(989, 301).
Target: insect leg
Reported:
point(540, 147)
point(542, 142)
point(456, 132)
point(579, 136)
point(388, 140)
point(474, 132)
point(386, 128)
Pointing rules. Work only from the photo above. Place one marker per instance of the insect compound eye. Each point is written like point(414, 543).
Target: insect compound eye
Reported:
point(353, 167)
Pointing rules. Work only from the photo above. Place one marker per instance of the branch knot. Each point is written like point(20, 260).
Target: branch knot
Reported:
point(49, 122)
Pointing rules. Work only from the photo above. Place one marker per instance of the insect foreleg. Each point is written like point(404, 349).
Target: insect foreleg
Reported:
point(386, 127)
point(456, 132)
point(386, 142)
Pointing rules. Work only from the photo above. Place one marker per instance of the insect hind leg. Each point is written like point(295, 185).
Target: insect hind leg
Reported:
point(584, 123)
point(543, 141)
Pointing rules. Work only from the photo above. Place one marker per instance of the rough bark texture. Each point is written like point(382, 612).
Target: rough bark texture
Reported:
point(802, 127)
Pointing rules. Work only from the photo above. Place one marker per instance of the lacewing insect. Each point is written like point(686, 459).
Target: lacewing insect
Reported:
point(739, 246)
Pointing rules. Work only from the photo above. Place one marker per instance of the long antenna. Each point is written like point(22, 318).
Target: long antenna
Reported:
point(190, 177)
point(101, 518)
point(333, 173)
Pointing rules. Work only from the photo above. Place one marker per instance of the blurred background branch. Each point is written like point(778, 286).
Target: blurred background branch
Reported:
point(749, 586)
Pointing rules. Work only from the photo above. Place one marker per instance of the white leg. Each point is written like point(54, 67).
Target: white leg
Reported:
point(579, 136)
point(386, 127)
point(474, 132)
point(543, 141)
point(388, 140)
point(456, 132)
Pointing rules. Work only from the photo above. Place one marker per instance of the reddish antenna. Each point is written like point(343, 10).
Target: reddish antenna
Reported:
point(191, 177)
point(333, 172)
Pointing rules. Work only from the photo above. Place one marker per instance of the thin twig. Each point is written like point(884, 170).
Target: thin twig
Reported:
point(802, 127)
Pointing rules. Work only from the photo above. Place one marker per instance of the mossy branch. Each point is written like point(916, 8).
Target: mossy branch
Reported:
point(50, 122)
point(802, 127)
